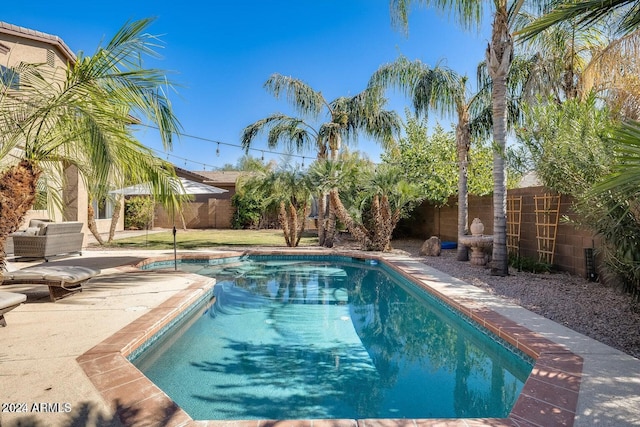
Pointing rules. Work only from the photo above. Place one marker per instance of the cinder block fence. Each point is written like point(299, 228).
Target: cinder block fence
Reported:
point(570, 241)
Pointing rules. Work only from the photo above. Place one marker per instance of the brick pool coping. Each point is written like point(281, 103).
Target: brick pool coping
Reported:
point(549, 396)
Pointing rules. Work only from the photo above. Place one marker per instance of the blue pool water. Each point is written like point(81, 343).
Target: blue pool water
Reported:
point(292, 337)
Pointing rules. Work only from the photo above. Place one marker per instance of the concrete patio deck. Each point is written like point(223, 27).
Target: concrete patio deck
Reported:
point(39, 371)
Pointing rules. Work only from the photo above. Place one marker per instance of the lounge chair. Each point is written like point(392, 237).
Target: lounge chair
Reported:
point(9, 301)
point(62, 280)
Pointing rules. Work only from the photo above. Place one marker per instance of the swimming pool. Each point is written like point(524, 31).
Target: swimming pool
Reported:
point(293, 337)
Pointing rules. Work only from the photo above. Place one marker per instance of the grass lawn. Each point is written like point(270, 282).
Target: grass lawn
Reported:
point(200, 239)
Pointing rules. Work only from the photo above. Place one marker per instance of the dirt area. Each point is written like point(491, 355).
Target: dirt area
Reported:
point(598, 311)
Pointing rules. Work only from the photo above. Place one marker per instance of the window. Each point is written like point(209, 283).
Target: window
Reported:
point(103, 208)
point(9, 77)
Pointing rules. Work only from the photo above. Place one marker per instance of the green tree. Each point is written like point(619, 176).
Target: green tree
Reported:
point(445, 91)
point(567, 144)
point(289, 193)
point(346, 117)
point(499, 56)
point(82, 119)
point(378, 197)
point(571, 61)
point(612, 208)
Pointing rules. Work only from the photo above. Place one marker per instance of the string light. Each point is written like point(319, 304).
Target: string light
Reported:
point(218, 150)
point(245, 149)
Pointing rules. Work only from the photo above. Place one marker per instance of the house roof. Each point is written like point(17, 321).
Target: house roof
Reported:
point(193, 176)
point(55, 41)
point(221, 177)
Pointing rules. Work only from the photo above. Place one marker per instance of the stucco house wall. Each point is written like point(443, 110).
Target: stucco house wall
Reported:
point(24, 45)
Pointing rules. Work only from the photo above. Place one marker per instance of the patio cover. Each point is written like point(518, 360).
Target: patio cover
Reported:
point(189, 187)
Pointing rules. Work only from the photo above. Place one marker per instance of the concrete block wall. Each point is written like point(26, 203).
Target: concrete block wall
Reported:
point(429, 220)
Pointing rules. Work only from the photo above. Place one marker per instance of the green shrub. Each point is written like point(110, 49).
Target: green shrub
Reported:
point(248, 211)
point(138, 213)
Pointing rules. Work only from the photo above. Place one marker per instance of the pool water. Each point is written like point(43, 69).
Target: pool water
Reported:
point(300, 339)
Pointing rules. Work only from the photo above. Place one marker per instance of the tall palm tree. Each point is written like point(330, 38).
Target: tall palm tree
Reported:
point(499, 55)
point(346, 117)
point(81, 117)
point(443, 90)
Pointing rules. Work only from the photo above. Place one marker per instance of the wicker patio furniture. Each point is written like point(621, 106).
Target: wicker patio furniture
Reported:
point(45, 239)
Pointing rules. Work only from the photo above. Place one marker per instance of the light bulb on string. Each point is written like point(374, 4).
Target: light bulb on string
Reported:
point(218, 150)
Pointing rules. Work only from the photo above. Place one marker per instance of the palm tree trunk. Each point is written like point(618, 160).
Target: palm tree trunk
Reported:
point(330, 230)
point(293, 225)
point(463, 141)
point(17, 195)
point(114, 219)
point(302, 219)
point(357, 230)
point(284, 223)
point(499, 54)
point(321, 220)
point(91, 223)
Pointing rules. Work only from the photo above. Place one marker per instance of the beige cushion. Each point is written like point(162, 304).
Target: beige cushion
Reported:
point(32, 231)
point(68, 274)
point(9, 299)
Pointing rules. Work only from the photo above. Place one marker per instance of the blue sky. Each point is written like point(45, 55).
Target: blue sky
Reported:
point(220, 53)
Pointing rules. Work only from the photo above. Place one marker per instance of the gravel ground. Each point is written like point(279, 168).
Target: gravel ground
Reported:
point(593, 309)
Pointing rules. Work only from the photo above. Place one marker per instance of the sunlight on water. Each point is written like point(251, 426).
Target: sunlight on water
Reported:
point(294, 339)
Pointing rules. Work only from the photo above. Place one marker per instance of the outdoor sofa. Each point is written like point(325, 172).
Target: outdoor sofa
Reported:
point(44, 239)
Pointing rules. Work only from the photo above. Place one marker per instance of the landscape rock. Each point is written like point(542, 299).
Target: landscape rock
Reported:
point(431, 247)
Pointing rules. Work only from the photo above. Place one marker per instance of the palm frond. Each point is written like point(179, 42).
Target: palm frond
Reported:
point(585, 14)
point(299, 94)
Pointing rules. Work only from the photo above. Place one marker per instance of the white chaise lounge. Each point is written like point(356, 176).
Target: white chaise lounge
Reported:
point(62, 280)
point(9, 301)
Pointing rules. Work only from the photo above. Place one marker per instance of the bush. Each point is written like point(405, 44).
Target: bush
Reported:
point(138, 213)
point(248, 211)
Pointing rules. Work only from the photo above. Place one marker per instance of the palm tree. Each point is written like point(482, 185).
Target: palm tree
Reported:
point(377, 197)
point(81, 119)
point(499, 55)
point(573, 61)
point(346, 117)
point(625, 14)
point(289, 192)
point(443, 90)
